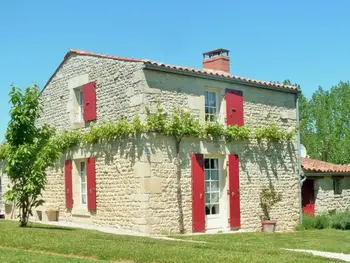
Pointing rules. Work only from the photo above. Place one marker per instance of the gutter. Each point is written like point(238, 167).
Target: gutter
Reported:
point(320, 174)
point(301, 177)
point(218, 78)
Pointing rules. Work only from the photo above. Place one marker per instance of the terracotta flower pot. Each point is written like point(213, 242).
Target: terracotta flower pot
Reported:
point(268, 225)
point(52, 215)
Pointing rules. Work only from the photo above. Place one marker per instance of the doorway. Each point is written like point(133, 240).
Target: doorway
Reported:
point(215, 204)
point(308, 197)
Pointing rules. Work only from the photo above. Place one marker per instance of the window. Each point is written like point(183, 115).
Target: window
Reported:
point(83, 183)
point(337, 186)
point(212, 186)
point(80, 109)
point(210, 106)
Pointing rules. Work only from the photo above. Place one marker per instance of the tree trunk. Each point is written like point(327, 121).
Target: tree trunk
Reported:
point(179, 188)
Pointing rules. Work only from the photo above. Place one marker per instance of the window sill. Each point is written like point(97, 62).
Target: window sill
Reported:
point(338, 196)
point(77, 125)
point(83, 212)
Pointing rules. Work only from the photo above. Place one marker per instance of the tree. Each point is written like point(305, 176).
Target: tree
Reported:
point(325, 123)
point(29, 151)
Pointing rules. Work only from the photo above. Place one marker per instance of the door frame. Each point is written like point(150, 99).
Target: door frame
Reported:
point(222, 217)
point(308, 192)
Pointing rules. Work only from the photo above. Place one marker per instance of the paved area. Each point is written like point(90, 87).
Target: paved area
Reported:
point(332, 255)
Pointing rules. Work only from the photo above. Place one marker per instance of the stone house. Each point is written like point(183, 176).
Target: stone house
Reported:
point(326, 188)
point(131, 184)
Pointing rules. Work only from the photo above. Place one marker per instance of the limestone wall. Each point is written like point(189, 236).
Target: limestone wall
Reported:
point(325, 198)
point(136, 183)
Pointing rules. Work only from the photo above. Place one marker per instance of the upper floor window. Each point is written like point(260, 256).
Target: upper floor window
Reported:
point(211, 106)
point(80, 108)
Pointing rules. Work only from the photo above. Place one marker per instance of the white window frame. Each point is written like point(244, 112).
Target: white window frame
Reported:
point(79, 110)
point(216, 113)
point(83, 183)
point(218, 191)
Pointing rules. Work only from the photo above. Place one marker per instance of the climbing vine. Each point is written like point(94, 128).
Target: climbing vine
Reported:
point(179, 124)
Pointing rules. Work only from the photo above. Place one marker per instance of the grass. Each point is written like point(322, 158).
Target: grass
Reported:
point(41, 243)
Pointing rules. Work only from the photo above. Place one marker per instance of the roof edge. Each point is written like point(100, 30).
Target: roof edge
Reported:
point(219, 77)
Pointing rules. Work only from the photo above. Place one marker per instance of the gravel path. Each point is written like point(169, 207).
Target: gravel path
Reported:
point(341, 256)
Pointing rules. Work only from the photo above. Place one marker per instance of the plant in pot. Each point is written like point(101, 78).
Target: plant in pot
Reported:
point(268, 198)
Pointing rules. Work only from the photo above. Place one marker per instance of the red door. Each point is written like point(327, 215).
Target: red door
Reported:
point(234, 198)
point(308, 197)
point(198, 202)
point(234, 107)
point(68, 183)
point(91, 183)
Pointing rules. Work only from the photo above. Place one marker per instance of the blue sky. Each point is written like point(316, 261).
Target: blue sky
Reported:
point(305, 41)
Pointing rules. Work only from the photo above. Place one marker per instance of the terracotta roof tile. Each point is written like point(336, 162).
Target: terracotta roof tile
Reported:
point(311, 165)
point(181, 68)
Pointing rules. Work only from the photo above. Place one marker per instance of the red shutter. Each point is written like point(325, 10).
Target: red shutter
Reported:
point(89, 101)
point(198, 198)
point(68, 183)
point(235, 212)
point(234, 107)
point(91, 183)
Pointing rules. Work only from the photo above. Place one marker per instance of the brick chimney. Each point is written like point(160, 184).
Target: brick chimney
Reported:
point(217, 59)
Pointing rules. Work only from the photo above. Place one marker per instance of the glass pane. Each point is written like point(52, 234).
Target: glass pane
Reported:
point(214, 175)
point(207, 210)
point(206, 97)
point(214, 198)
point(206, 163)
point(214, 163)
point(207, 110)
point(212, 111)
point(82, 166)
point(214, 186)
point(207, 198)
point(212, 99)
point(207, 187)
point(83, 199)
point(207, 175)
point(215, 209)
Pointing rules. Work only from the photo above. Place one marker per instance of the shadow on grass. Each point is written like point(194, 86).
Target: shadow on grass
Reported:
point(52, 228)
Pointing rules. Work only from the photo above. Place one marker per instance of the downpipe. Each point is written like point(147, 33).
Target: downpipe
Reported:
point(301, 177)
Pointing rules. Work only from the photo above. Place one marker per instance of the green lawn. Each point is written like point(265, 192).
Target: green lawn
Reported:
point(51, 244)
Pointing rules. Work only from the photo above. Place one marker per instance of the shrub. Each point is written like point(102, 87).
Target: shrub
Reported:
point(341, 220)
point(314, 222)
point(321, 221)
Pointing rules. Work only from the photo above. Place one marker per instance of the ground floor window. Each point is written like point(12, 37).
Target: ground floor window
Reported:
point(212, 186)
point(337, 186)
point(82, 172)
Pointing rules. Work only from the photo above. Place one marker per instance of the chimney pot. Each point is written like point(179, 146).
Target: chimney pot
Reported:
point(217, 59)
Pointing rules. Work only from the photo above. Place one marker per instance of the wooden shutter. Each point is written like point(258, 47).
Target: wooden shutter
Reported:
point(89, 101)
point(234, 107)
point(198, 198)
point(91, 183)
point(68, 183)
point(235, 211)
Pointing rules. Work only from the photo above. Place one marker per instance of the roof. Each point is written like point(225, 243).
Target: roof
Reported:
point(204, 72)
point(311, 165)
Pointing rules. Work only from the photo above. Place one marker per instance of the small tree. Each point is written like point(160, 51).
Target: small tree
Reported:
point(29, 151)
point(268, 198)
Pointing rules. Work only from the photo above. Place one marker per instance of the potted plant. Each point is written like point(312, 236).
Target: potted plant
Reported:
point(52, 214)
point(268, 198)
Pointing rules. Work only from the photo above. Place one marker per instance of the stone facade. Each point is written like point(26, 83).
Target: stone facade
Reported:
point(136, 178)
point(327, 199)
